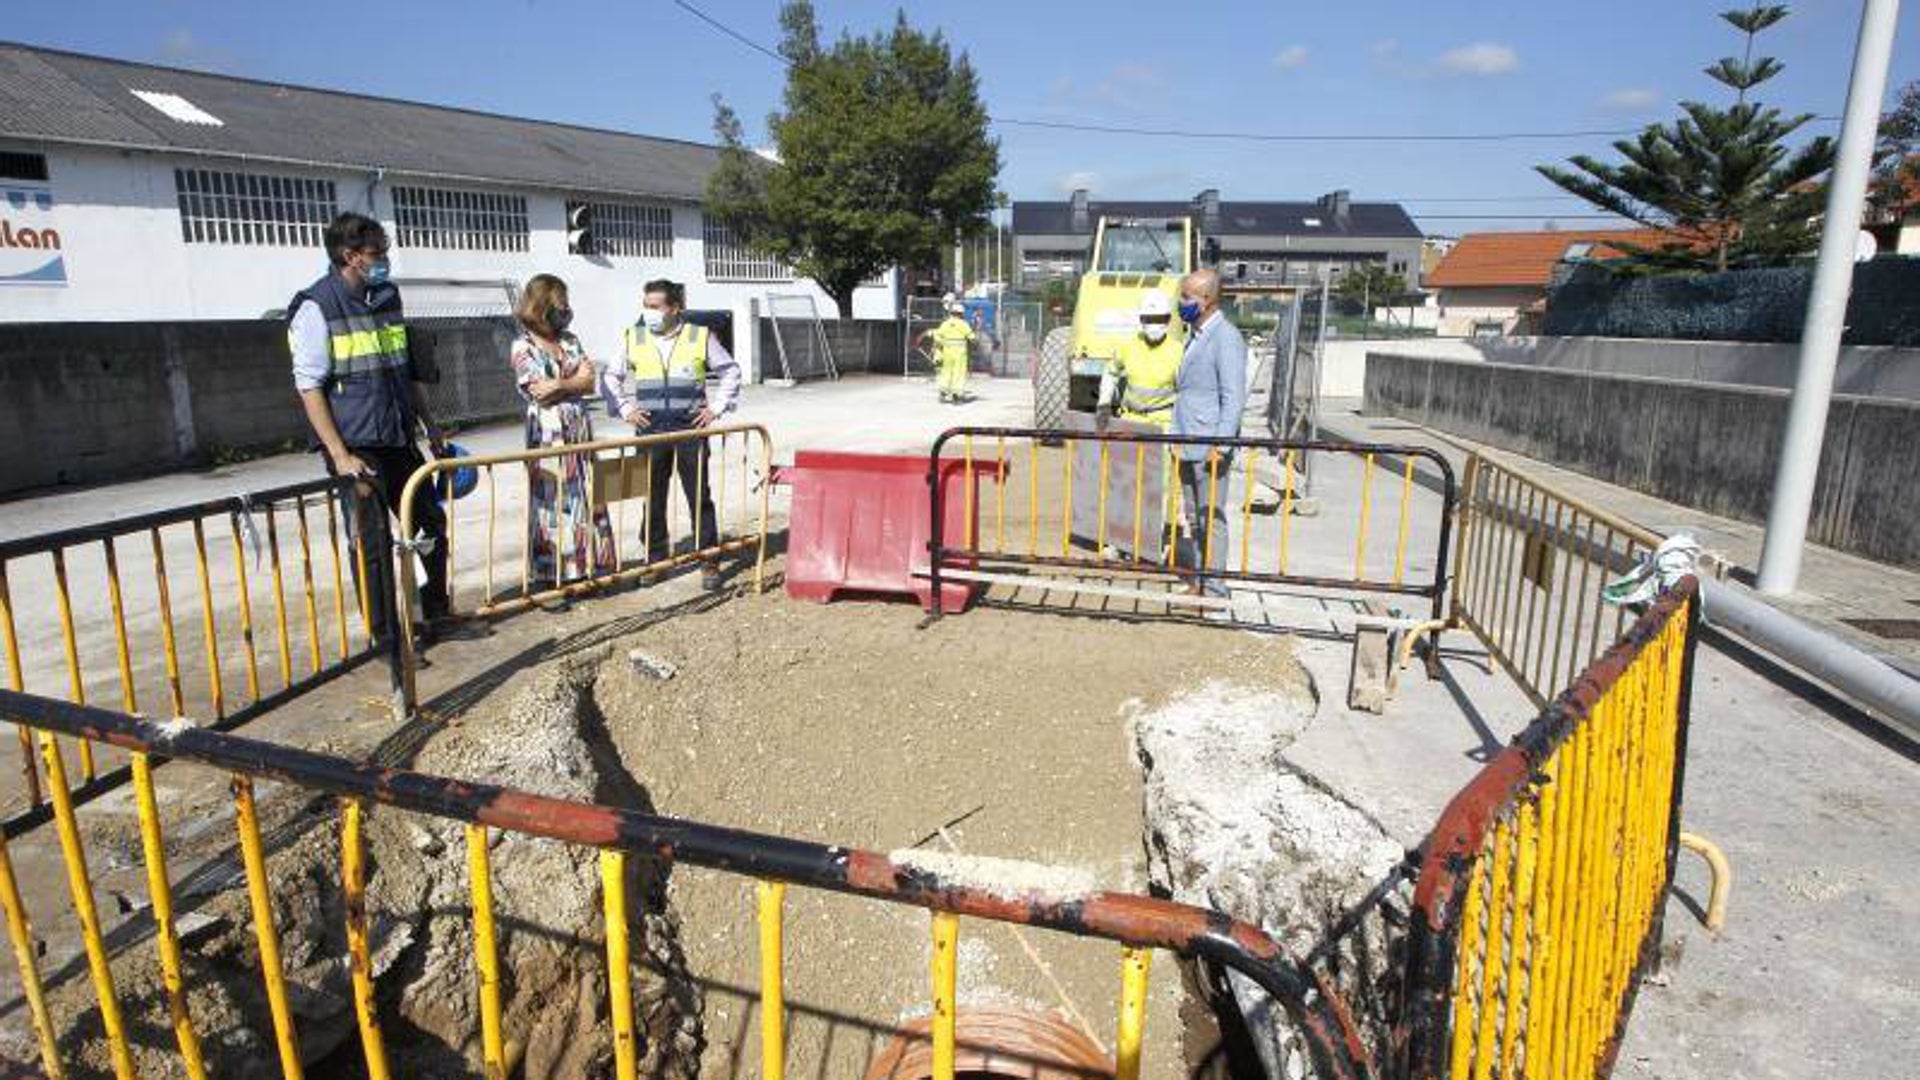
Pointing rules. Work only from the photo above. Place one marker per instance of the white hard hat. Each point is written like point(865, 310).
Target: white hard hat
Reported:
point(956, 308)
point(1156, 305)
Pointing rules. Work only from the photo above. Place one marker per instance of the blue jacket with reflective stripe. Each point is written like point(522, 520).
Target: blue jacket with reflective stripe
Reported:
point(370, 389)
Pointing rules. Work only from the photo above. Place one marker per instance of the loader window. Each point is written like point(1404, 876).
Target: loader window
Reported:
point(1143, 249)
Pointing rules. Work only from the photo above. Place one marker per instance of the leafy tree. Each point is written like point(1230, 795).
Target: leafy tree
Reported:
point(1720, 182)
point(1366, 284)
point(1897, 176)
point(882, 150)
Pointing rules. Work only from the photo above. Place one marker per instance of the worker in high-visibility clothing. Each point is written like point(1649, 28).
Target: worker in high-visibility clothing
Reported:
point(952, 347)
point(1143, 374)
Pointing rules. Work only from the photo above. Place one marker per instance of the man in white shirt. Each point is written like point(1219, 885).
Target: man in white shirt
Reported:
point(661, 387)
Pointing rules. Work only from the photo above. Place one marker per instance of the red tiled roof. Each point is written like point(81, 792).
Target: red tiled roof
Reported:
point(1525, 258)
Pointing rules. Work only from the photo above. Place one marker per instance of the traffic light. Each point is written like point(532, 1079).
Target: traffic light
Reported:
point(579, 228)
point(1210, 251)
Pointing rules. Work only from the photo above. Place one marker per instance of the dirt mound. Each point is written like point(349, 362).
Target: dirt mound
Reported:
point(848, 724)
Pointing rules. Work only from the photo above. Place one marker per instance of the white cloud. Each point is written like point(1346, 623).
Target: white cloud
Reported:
point(1384, 47)
point(1479, 58)
point(1290, 57)
point(1629, 99)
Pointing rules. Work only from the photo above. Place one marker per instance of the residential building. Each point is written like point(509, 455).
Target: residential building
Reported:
point(1490, 283)
point(134, 192)
point(1893, 212)
point(1263, 246)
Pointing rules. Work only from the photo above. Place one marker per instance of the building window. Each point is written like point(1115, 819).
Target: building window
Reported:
point(18, 166)
point(252, 208)
point(460, 220)
point(635, 230)
point(730, 260)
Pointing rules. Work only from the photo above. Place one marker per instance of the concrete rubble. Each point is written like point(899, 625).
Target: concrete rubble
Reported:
point(547, 904)
point(1232, 824)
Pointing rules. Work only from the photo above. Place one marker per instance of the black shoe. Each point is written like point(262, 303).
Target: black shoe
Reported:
point(710, 578)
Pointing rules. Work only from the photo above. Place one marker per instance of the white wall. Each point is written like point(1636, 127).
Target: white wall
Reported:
point(118, 218)
point(1461, 308)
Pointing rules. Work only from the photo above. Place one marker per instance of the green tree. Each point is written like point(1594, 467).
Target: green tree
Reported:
point(1365, 284)
point(1721, 183)
point(883, 156)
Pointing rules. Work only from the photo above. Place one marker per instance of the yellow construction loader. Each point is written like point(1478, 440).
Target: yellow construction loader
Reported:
point(1130, 257)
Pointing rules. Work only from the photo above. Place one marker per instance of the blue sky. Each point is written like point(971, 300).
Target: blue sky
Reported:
point(1279, 66)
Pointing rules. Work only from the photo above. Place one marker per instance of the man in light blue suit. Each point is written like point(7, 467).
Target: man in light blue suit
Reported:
point(1211, 393)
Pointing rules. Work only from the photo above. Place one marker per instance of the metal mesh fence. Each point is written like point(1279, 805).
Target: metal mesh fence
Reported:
point(800, 342)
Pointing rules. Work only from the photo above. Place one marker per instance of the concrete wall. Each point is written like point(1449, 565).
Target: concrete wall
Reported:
point(1866, 370)
point(118, 217)
point(1707, 446)
point(1343, 362)
point(89, 402)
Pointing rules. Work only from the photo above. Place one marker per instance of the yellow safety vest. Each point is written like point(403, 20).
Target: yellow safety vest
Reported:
point(677, 383)
point(950, 338)
point(1152, 372)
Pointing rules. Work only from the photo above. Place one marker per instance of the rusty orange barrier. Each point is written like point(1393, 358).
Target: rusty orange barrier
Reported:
point(1134, 923)
point(1542, 888)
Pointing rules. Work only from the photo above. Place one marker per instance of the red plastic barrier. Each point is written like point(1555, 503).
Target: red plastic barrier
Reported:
point(860, 524)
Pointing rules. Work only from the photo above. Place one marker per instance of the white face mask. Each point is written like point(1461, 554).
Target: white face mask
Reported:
point(655, 319)
point(1155, 332)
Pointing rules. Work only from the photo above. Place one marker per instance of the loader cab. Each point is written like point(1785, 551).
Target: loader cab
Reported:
point(1131, 256)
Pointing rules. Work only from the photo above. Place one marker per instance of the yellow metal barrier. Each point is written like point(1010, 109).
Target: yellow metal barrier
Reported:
point(1541, 891)
point(1528, 573)
point(94, 606)
point(741, 457)
point(1109, 505)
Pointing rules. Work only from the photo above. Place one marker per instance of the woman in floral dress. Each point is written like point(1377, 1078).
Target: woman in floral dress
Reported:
point(568, 537)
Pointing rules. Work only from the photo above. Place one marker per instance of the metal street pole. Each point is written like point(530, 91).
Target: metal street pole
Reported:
point(1799, 461)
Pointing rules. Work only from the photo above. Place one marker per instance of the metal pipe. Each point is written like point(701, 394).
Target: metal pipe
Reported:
point(1799, 464)
point(1849, 670)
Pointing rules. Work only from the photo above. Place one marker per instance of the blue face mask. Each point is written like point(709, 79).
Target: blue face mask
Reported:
point(1189, 311)
point(378, 271)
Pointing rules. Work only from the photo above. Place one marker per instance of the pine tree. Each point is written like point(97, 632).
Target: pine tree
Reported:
point(1720, 182)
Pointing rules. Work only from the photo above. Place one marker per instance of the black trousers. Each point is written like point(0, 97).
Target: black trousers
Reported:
point(391, 466)
point(689, 461)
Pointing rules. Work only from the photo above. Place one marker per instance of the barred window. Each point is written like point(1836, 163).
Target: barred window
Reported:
point(632, 229)
point(730, 260)
point(457, 220)
point(252, 208)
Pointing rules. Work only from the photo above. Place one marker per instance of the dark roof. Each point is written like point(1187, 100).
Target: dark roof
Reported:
point(52, 96)
point(1368, 219)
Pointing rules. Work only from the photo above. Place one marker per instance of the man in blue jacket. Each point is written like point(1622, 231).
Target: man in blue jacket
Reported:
point(1211, 392)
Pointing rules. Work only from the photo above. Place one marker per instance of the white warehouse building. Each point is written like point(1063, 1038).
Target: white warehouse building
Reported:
point(130, 192)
